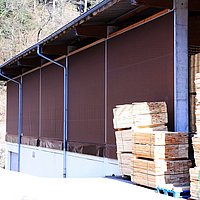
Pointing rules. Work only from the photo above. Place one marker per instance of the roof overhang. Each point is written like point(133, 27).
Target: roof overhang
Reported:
point(86, 29)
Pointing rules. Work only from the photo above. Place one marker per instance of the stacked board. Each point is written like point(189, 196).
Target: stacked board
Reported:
point(197, 106)
point(146, 151)
point(160, 145)
point(145, 114)
point(194, 173)
point(160, 159)
point(124, 160)
point(195, 183)
point(140, 117)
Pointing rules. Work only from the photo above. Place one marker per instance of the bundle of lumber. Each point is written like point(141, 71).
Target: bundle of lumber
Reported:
point(160, 145)
point(197, 87)
point(160, 158)
point(159, 166)
point(124, 141)
point(124, 160)
point(194, 172)
point(155, 181)
point(146, 150)
point(145, 114)
point(157, 173)
point(195, 183)
point(196, 146)
point(197, 105)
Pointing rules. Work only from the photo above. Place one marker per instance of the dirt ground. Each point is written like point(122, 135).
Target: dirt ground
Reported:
point(19, 186)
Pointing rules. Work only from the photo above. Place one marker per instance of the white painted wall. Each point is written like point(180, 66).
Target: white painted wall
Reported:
point(45, 162)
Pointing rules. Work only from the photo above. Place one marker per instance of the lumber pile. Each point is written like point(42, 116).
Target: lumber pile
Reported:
point(146, 150)
point(160, 158)
point(194, 182)
point(194, 173)
point(160, 145)
point(197, 106)
point(145, 114)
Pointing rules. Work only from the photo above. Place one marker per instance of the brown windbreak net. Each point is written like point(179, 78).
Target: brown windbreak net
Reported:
point(12, 119)
point(30, 105)
point(42, 107)
point(52, 109)
point(140, 68)
point(86, 101)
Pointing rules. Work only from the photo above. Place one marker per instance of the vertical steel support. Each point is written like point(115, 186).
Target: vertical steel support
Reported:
point(65, 106)
point(106, 88)
point(40, 104)
point(181, 112)
point(65, 118)
point(20, 115)
point(20, 123)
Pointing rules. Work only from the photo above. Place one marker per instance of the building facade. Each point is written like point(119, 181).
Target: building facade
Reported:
point(59, 106)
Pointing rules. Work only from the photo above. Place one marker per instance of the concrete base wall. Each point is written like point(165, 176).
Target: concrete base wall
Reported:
point(45, 162)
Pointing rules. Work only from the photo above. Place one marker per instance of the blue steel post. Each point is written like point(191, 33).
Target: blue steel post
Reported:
point(20, 115)
point(20, 122)
point(65, 106)
point(65, 119)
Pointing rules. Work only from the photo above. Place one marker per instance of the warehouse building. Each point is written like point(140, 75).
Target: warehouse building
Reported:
point(61, 91)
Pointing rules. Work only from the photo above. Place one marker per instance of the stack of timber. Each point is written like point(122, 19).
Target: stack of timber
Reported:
point(197, 106)
point(194, 173)
point(160, 145)
point(195, 183)
point(146, 151)
point(140, 117)
point(160, 158)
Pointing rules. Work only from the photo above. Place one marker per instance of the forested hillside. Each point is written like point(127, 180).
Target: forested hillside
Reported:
point(25, 22)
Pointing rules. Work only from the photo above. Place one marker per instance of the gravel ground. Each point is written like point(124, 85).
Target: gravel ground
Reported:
point(19, 186)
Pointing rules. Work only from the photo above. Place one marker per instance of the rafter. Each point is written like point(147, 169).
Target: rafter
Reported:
point(98, 31)
point(55, 49)
point(12, 71)
point(30, 62)
point(154, 3)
